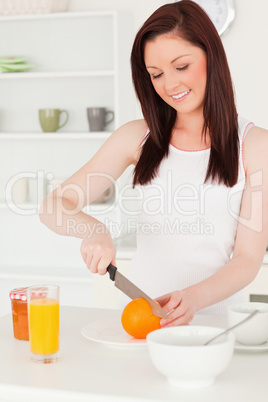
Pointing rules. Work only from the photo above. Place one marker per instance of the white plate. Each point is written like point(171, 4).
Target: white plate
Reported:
point(110, 332)
point(257, 348)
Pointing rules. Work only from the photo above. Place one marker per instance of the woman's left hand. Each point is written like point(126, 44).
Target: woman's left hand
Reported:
point(180, 308)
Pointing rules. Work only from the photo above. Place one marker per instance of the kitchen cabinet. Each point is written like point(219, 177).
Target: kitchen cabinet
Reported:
point(80, 60)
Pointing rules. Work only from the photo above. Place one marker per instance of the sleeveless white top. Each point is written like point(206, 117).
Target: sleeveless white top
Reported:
point(186, 229)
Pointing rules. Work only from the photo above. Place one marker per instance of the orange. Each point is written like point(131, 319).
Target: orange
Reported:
point(138, 319)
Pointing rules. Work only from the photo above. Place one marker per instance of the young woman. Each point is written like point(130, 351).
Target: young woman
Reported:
point(200, 169)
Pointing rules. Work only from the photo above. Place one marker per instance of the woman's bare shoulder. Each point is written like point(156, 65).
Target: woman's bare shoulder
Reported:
point(256, 149)
point(134, 127)
point(130, 136)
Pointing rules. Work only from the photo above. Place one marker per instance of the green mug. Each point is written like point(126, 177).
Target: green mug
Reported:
point(50, 119)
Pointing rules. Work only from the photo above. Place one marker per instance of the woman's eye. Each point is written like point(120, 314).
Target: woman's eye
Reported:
point(156, 76)
point(183, 68)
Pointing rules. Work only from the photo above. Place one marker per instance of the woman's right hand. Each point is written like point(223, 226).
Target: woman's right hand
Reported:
point(98, 251)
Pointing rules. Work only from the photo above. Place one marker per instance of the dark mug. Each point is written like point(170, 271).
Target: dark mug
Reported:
point(98, 118)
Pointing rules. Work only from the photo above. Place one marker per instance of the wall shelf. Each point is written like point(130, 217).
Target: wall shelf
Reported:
point(80, 60)
point(53, 16)
point(55, 74)
point(56, 136)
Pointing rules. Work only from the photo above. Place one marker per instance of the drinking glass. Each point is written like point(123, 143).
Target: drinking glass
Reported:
point(43, 316)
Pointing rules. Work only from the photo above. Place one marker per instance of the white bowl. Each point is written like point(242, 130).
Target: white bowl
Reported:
point(255, 330)
point(179, 353)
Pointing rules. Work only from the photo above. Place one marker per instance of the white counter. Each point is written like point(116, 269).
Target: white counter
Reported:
point(91, 371)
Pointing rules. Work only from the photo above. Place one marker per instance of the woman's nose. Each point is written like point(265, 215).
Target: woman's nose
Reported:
point(171, 83)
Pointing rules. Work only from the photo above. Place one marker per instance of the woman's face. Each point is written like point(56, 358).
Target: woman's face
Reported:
point(178, 71)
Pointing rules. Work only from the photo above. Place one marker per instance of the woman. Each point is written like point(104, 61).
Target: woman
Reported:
point(200, 169)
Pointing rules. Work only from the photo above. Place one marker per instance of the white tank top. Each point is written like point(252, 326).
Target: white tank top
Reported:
point(186, 229)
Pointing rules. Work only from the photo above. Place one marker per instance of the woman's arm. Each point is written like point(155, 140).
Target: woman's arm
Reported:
point(61, 210)
point(250, 244)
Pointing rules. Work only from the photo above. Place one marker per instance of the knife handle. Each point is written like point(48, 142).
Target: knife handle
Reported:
point(112, 270)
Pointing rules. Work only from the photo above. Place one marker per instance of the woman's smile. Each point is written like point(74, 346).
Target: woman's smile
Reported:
point(181, 96)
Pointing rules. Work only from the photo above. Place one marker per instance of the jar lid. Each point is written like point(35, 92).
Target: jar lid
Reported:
point(18, 294)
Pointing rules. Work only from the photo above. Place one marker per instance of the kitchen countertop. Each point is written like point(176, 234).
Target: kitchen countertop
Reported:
point(92, 371)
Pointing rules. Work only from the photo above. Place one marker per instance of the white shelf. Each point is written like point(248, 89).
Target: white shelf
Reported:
point(56, 74)
point(101, 135)
point(80, 61)
point(28, 205)
point(62, 15)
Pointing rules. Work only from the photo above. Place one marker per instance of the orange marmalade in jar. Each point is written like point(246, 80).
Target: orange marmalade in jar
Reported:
point(18, 298)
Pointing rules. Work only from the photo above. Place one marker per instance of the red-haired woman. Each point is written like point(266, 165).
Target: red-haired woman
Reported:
point(201, 173)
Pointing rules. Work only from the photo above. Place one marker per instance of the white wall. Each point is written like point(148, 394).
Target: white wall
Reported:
point(141, 8)
point(246, 45)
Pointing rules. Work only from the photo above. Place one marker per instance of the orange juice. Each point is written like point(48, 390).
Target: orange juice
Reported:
point(44, 326)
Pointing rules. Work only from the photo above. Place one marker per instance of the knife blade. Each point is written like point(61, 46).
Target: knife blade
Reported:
point(132, 291)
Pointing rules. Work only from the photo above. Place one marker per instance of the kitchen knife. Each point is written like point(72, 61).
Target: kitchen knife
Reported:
point(132, 291)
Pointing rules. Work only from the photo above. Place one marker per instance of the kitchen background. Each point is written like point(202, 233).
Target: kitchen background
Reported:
point(81, 61)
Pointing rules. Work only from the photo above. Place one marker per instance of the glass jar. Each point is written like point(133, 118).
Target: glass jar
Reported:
point(18, 298)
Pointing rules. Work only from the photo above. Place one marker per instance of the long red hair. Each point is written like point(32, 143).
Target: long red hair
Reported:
point(189, 21)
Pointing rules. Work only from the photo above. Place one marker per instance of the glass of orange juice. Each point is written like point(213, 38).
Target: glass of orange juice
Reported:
point(43, 317)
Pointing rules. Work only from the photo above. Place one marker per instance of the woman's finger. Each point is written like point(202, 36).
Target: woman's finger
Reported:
point(180, 316)
point(170, 301)
point(103, 264)
point(107, 257)
point(182, 320)
point(173, 314)
point(83, 253)
point(163, 300)
point(89, 262)
point(94, 263)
